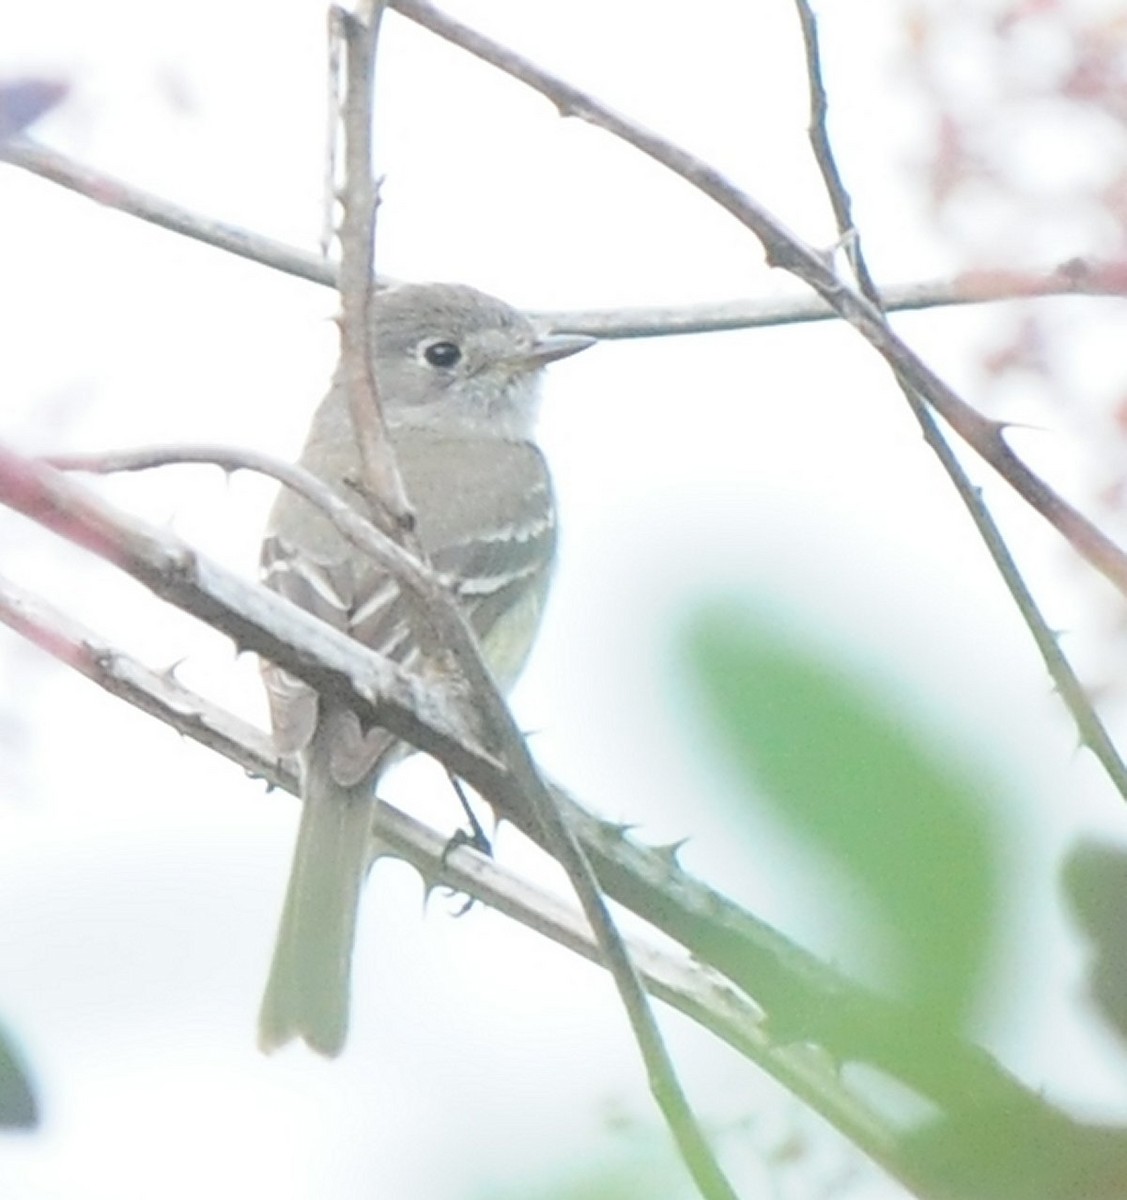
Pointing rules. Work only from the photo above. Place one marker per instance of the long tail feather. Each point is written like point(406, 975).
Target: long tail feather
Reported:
point(307, 995)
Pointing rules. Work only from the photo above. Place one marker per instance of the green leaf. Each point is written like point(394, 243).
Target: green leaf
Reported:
point(1095, 882)
point(625, 1176)
point(18, 1106)
point(853, 777)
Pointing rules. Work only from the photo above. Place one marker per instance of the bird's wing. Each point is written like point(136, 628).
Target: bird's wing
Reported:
point(493, 542)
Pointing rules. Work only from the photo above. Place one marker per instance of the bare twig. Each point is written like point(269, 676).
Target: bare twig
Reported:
point(1092, 730)
point(806, 1000)
point(115, 193)
point(436, 719)
point(1077, 277)
point(418, 581)
point(359, 197)
point(159, 694)
point(1072, 278)
point(45, 501)
point(783, 249)
point(527, 801)
point(382, 481)
point(680, 982)
point(333, 104)
point(565, 846)
point(819, 135)
point(781, 976)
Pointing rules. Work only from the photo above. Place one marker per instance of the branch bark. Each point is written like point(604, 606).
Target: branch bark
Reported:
point(528, 801)
point(1091, 728)
point(783, 249)
point(681, 981)
point(1074, 277)
point(804, 1000)
point(383, 483)
point(359, 197)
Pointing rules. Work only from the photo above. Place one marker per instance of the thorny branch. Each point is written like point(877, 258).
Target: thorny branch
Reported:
point(381, 478)
point(1076, 277)
point(680, 982)
point(1091, 728)
point(359, 197)
point(783, 249)
point(804, 1000)
point(817, 1004)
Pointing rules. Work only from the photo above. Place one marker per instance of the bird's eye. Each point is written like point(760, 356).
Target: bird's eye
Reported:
point(442, 354)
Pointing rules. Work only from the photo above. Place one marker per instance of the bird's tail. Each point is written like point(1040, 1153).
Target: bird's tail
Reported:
point(307, 994)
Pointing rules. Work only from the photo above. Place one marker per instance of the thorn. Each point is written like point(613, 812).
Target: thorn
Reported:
point(847, 242)
point(669, 852)
point(846, 246)
point(169, 672)
point(1003, 427)
point(620, 829)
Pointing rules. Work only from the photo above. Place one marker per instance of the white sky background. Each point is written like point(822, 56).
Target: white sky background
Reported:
point(140, 878)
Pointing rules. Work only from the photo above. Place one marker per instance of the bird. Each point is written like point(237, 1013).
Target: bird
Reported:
point(459, 377)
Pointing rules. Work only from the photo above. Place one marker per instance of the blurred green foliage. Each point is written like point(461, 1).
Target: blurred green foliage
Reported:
point(1095, 884)
point(19, 1108)
point(621, 1178)
point(846, 769)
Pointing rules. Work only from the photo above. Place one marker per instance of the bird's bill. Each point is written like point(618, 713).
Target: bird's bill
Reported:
point(552, 346)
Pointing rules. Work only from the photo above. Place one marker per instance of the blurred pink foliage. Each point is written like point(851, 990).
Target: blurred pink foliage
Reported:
point(1026, 167)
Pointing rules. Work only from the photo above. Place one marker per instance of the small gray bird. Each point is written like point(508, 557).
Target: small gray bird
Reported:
point(458, 375)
